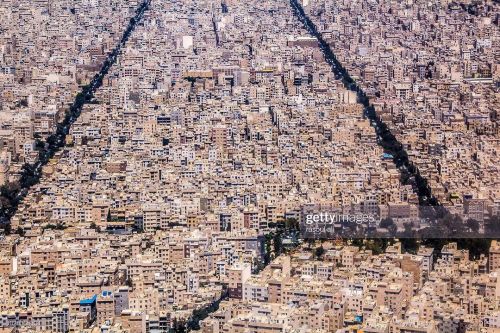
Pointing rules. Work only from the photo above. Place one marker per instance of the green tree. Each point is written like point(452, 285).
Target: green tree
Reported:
point(292, 224)
point(278, 244)
point(493, 225)
point(95, 227)
point(178, 326)
point(20, 231)
point(386, 222)
point(7, 229)
point(473, 225)
point(318, 253)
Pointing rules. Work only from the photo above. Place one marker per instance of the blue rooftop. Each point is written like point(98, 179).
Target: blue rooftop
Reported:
point(88, 301)
point(106, 293)
point(385, 155)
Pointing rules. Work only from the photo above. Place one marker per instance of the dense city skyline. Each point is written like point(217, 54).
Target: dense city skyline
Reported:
point(258, 166)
